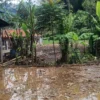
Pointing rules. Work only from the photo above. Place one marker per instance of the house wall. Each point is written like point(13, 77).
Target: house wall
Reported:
point(6, 45)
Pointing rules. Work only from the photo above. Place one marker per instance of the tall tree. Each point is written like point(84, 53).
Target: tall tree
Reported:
point(90, 6)
point(49, 14)
point(75, 4)
point(23, 10)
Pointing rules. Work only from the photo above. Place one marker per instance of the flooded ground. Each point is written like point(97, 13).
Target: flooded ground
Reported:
point(53, 83)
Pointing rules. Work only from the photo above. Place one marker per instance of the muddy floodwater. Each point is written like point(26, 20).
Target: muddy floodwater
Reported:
point(52, 83)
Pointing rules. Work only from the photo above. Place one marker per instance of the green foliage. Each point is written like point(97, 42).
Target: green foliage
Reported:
point(72, 36)
point(73, 25)
point(85, 36)
point(90, 6)
point(98, 9)
point(81, 21)
point(75, 4)
point(25, 29)
point(74, 56)
point(23, 10)
point(49, 14)
point(87, 57)
point(68, 23)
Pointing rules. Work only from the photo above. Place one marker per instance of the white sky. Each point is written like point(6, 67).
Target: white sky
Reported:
point(17, 1)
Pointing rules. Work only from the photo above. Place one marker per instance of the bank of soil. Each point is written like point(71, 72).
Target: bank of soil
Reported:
point(54, 83)
point(46, 53)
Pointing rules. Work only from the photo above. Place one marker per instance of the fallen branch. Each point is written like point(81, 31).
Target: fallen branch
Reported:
point(10, 62)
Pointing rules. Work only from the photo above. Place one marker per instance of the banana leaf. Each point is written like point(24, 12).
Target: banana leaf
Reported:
point(98, 9)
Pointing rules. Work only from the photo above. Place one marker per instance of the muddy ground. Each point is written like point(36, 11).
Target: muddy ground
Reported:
point(68, 82)
point(53, 83)
point(46, 53)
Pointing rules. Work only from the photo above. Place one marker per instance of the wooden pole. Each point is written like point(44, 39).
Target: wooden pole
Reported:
point(1, 51)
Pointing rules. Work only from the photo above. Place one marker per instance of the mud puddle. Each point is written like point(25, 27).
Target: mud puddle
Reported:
point(63, 83)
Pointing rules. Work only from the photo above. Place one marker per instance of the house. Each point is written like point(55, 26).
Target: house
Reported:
point(6, 36)
point(2, 25)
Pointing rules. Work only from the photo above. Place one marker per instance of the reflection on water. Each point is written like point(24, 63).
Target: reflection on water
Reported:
point(45, 84)
point(43, 91)
point(91, 97)
point(17, 84)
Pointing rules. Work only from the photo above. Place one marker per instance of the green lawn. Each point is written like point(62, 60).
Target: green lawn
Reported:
point(46, 41)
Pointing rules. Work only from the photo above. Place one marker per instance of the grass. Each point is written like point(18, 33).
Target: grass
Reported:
point(46, 41)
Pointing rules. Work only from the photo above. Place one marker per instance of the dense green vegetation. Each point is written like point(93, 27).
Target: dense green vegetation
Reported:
point(71, 22)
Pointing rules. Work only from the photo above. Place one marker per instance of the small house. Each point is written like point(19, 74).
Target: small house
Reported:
point(2, 25)
point(6, 36)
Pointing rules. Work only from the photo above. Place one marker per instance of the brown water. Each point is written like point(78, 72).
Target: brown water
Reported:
point(63, 83)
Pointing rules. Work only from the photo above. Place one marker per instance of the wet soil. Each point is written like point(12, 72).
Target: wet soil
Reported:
point(52, 83)
point(46, 53)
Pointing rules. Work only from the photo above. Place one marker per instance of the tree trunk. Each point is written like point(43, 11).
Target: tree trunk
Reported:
point(64, 50)
point(27, 47)
point(54, 45)
point(35, 55)
point(31, 48)
point(84, 47)
point(54, 50)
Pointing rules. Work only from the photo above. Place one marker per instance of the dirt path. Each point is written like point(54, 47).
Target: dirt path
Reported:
point(62, 83)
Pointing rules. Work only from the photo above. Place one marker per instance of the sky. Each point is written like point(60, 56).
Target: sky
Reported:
point(17, 1)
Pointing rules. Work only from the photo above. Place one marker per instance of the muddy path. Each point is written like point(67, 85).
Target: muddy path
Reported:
point(53, 83)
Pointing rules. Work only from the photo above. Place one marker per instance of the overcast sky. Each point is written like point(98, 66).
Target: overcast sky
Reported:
point(17, 1)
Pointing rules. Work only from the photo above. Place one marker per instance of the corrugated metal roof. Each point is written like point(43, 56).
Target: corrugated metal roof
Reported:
point(3, 23)
point(9, 32)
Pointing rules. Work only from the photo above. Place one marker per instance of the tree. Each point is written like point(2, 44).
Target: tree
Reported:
point(95, 40)
point(26, 21)
point(67, 26)
point(48, 17)
point(23, 10)
point(75, 4)
point(9, 10)
point(90, 6)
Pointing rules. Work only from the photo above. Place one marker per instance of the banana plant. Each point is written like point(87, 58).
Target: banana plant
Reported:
point(83, 37)
point(74, 53)
point(72, 36)
point(18, 45)
point(68, 23)
point(26, 21)
point(98, 9)
point(66, 33)
point(96, 21)
point(27, 39)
